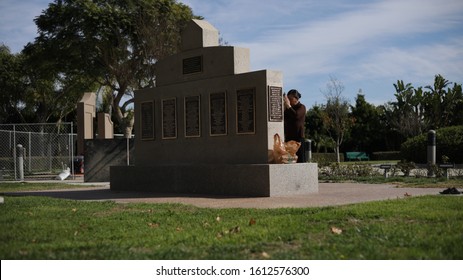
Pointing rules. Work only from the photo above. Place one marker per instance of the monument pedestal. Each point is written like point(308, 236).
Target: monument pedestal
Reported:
point(253, 180)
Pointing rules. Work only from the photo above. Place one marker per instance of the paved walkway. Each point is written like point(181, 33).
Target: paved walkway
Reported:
point(329, 194)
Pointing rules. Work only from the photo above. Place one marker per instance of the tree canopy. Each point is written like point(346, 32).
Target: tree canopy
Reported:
point(366, 127)
point(335, 115)
point(113, 43)
point(12, 85)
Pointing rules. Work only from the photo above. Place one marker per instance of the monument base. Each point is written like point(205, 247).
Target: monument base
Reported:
point(252, 180)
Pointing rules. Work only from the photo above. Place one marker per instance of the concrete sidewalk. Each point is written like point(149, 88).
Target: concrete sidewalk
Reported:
point(329, 194)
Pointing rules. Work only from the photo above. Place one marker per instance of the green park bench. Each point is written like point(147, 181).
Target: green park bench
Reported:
point(355, 156)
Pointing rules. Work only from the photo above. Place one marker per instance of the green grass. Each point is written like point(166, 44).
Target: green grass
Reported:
point(26, 186)
point(412, 228)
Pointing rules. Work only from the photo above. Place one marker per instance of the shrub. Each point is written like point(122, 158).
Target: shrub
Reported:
point(325, 158)
point(449, 142)
point(406, 167)
point(336, 170)
point(415, 149)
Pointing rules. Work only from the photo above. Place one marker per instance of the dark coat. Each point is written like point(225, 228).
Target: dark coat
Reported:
point(294, 122)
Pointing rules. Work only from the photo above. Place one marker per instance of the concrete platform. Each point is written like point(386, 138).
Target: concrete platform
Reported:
point(252, 180)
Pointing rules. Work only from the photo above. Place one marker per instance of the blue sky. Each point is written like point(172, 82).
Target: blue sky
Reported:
point(366, 45)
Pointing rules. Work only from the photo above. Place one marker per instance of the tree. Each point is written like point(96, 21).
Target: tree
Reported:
point(12, 86)
point(457, 112)
point(114, 42)
point(366, 127)
point(441, 103)
point(406, 114)
point(51, 93)
point(390, 135)
point(33, 91)
point(315, 129)
point(416, 110)
point(336, 117)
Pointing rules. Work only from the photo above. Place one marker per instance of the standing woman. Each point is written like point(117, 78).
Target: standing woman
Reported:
point(294, 121)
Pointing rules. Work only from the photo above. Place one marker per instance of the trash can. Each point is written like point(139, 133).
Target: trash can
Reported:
point(79, 165)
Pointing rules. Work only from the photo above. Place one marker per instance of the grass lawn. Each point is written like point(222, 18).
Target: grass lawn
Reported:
point(413, 228)
point(26, 186)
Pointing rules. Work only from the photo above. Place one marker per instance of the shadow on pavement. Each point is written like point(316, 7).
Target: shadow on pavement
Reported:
point(107, 194)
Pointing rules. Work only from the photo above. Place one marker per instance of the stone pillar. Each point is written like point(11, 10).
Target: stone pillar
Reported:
point(431, 157)
point(86, 109)
point(105, 126)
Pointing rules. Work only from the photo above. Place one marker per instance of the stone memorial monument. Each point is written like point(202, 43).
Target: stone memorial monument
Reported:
point(96, 154)
point(105, 126)
point(208, 126)
point(86, 110)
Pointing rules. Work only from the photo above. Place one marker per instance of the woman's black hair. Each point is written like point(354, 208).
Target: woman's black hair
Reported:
point(295, 93)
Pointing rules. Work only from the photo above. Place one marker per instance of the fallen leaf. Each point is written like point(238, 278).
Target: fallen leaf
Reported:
point(336, 230)
point(218, 219)
point(74, 210)
point(233, 230)
point(252, 222)
point(236, 229)
point(23, 252)
point(265, 255)
point(153, 225)
point(179, 229)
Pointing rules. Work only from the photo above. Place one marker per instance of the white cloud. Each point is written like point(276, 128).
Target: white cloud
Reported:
point(354, 31)
point(416, 64)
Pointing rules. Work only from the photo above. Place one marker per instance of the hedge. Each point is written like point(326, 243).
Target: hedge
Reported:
point(392, 155)
point(449, 141)
point(326, 158)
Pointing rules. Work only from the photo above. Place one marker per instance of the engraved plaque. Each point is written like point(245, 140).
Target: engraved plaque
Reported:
point(169, 118)
point(275, 104)
point(218, 114)
point(192, 116)
point(147, 120)
point(192, 65)
point(245, 111)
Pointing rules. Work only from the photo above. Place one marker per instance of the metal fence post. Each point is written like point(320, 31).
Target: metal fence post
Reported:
point(13, 147)
point(20, 158)
point(128, 151)
point(30, 150)
point(71, 151)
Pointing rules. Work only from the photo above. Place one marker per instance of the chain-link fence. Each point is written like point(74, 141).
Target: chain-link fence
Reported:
point(36, 151)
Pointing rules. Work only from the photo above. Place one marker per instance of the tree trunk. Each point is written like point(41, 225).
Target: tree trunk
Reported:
point(125, 120)
point(128, 123)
